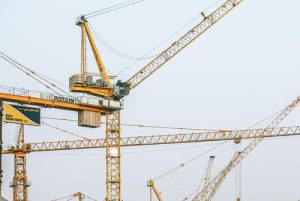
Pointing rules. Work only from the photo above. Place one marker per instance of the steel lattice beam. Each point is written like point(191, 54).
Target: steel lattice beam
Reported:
point(183, 42)
point(162, 139)
point(216, 182)
point(113, 157)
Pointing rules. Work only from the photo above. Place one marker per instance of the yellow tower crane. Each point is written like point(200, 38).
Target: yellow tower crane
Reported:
point(111, 94)
point(216, 182)
point(105, 89)
point(22, 148)
point(20, 181)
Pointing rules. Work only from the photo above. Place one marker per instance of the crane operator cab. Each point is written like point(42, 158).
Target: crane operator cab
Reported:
point(122, 88)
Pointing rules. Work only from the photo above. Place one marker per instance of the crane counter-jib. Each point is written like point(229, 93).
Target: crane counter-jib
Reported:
point(48, 103)
point(49, 100)
point(90, 109)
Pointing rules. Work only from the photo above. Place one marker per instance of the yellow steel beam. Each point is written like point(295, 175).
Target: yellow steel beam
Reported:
point(153, 187)
point(50, 103)
point(113, 157)
point(94, 91)
point(160, 139)
point(96, 54)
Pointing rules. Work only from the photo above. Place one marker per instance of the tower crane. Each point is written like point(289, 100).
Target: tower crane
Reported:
point(216, 182)
point(20, 186)
point(120, 89)
point(20, 181)
point(113, 93)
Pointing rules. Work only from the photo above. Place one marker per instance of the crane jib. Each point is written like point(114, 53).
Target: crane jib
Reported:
point(183, 42)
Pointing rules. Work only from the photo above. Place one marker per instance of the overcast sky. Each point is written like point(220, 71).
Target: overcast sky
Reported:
point(242, 70)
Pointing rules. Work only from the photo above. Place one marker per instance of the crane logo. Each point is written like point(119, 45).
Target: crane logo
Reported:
point(64, 99)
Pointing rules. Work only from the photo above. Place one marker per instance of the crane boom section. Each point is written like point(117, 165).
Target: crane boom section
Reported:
point(216, 182)
point(183, 42)
point(98, 59)
point(162, 139)
point(208, 172)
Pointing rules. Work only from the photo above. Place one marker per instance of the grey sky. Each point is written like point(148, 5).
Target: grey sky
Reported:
point(242, 70)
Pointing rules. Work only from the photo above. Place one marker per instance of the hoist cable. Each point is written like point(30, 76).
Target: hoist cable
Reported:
point(180, 29)
point(220, 153)
point(71, 198)
point(182, 177)
point(187, 162)
point(90, 198)
point(168, 149)
point(12, 63)
point(193, 170)
point(141, 125)
point(64, 131)
point(117, 52)
point(49, 78)
point(63, 198)
point(213, 5)
point(160, 44)
point(32, 74)
point(111, 8)
point(265, 119)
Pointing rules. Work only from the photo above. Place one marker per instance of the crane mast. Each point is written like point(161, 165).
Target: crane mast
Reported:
point(113, 157)
point(20, 181)
point(216, 182)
